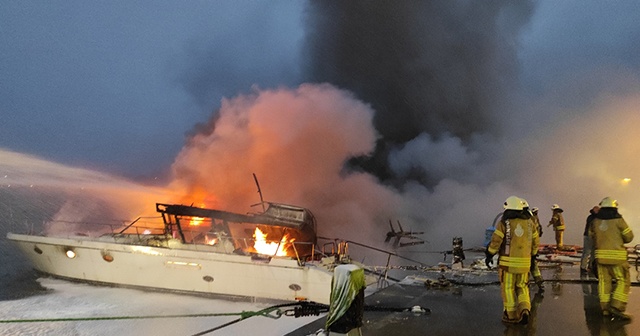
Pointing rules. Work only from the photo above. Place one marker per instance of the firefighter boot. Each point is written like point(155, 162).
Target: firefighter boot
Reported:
point(506, 319)
point(524, 316)
point(617, 313)
point(540, 282)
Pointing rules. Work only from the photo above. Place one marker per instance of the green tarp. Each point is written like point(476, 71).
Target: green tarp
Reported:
point(347, 281)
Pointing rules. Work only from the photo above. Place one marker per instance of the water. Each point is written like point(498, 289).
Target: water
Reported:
point(21, 209)
point(26, 294)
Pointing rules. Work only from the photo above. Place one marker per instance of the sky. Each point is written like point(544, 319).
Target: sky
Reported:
point(431, 113)
point(114, 86)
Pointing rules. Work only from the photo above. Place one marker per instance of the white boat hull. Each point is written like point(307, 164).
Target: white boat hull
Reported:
point(188, 269)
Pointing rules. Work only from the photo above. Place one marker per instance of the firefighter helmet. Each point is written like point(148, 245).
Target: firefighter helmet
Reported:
point(534, 210)
point(608, 202)
point(525, 204)
point(513, 203)
point(555, 207)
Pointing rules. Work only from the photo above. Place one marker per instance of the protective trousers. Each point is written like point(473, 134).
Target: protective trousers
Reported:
point(559, 243)
point(535, 271)
point(620, 296)
point(588, 253)
point(515, 293)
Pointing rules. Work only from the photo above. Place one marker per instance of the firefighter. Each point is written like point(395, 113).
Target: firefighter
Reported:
point(610, 232)
point(535, 270)
point(458, 252)
point(557, 220)
point(516, 240)
point(534, 212)
point(588, 257)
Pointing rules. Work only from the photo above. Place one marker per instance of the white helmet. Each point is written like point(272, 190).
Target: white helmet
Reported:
point(534, 210)
point(555, 207)
point(608, 202)
point(513, 203)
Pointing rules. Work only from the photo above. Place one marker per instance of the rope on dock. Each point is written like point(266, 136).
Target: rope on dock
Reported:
point(245, 315)
point(303, 308)
point(103, 318)
point(300, 309)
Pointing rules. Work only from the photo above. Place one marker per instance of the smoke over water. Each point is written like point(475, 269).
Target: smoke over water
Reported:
point(296, 141)
point(459, 130)
point(70, 197)
point(423, 117)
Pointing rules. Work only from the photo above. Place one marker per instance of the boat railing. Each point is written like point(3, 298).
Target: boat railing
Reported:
point(68, 229)
point(340, 248)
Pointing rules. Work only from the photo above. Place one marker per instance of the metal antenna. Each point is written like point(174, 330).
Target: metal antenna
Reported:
point(259, 192)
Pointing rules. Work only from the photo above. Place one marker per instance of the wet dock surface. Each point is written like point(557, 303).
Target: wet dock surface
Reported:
point(569, 305)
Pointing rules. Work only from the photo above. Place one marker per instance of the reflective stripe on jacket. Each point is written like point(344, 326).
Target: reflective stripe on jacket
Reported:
point(516, 240)
point(557, 220)
point(609, 236)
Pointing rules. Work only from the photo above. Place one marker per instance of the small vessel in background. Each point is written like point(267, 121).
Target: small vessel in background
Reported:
point(273, 254)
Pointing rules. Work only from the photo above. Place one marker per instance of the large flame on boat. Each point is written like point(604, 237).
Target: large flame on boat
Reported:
point(270, 248)
point(196, 221)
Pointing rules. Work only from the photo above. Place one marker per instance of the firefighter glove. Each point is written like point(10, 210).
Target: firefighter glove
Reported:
point(488, 258)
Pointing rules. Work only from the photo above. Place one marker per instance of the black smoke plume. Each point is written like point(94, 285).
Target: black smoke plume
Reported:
point(440, 67)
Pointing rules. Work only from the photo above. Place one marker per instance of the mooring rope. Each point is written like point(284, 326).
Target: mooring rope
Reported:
point(304, 308)
point(103, 318)
point(264, 312)
point(243, 315)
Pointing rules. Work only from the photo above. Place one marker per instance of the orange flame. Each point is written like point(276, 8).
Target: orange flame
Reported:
point(196, 221)
point(211, 241)
point(270, 248)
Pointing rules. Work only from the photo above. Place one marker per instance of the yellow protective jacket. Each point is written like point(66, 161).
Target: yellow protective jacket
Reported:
point(557, 220)
point(609, 236)
point(516, 240)
point(537, 225)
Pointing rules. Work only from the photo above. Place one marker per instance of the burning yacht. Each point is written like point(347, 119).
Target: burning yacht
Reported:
point(272, 254)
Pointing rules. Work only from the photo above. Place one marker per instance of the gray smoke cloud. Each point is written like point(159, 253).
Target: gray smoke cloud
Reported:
point(463, 114)
point(442, 68)
point(476, 101)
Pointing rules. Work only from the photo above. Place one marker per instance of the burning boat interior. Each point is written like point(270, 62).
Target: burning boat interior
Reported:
point(280, 230)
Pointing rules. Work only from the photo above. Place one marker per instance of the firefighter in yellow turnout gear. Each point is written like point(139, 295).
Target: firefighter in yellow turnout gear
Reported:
point(557, 220)
point(535, 270)
point(516, 240)
point(610, 232)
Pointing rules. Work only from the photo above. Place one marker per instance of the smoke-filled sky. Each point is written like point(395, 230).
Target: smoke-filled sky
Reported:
point(427, 112)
